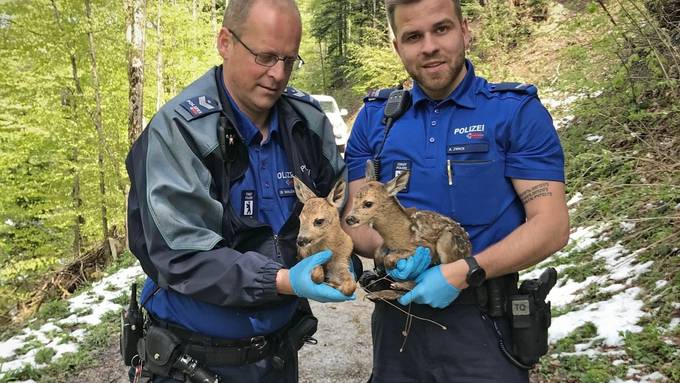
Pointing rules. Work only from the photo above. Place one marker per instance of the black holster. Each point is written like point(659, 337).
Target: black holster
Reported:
point(294, 335)
point(530, 317)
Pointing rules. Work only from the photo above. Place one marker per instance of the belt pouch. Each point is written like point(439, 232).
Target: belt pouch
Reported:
point(159, 348)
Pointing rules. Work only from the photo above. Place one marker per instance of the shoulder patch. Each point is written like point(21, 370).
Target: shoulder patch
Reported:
point(301, 96)
point(379, 94)
point(516, 87)
point(196, 107)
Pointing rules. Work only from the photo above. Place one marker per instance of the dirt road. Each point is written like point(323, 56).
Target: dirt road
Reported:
point(343, 353)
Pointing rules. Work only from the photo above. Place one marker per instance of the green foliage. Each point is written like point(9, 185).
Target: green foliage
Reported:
point(504, 26)
point(44, 355)
point(371, 67)
point(580, 335)
point(648, 347)
point(53, 309)
point(578, 368)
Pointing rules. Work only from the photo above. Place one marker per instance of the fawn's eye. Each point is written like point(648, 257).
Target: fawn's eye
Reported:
point(319, 221)
point(368, 204)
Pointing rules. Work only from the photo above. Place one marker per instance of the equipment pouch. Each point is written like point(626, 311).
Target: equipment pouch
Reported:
point(159, 349)
point(530, 316)
point(300, 331)
point(132, 327)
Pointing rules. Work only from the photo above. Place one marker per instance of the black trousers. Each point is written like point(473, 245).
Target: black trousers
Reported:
point(466, 351)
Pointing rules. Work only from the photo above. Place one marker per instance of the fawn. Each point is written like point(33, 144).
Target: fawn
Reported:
point(320, 230)
point(404, 229)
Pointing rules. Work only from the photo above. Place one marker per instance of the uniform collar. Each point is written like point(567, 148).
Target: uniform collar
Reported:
point(463, 95)
point(245, 126)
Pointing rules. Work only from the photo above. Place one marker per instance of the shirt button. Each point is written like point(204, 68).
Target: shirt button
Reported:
point(436, 110)
point(266, 184)
point(432, 139)
point(434, 123)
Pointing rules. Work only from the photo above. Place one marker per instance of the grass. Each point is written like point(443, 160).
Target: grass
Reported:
point(98, 337)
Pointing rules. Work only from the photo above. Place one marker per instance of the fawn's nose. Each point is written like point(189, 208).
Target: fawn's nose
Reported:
point(351, 220)
point(302, 242)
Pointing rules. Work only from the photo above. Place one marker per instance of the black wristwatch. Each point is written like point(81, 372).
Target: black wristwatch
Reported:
point(476, 275)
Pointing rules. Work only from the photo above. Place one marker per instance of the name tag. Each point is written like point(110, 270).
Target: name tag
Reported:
point(287, 192)
point(467, 148)
point(248, 203)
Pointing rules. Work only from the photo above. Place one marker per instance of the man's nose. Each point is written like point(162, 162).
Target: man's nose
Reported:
point(278, 71)
point(430, 44)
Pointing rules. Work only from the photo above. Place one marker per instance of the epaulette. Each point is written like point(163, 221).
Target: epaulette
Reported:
point(198, 106)
point(516, 87)
point(379, 94)
point(301, 96)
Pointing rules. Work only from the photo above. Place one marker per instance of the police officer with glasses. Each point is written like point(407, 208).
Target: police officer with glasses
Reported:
point(213, 215)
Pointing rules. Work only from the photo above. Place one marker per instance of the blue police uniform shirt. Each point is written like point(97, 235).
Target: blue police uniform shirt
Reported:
point(462, 153)
point(265, 193)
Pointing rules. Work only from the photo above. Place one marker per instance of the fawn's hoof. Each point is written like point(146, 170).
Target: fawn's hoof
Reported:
point(318, 275)
point(403, 286)
point(388, 295)
point(348, 288)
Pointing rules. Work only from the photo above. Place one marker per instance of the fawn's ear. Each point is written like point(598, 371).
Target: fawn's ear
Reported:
point(337, 195)
point(398, 183)
point(302, 191)
point(370, 171)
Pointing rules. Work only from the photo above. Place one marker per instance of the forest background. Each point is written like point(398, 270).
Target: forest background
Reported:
point(80, 78)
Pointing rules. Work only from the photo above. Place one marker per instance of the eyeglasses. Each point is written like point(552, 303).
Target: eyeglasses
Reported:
point(269, 59)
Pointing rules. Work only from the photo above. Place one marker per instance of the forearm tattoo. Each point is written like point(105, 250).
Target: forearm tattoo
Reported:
point(540, 190)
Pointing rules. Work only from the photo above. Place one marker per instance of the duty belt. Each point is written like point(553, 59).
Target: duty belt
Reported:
point(214, 351)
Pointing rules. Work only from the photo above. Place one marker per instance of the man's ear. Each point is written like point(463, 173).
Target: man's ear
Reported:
point(223, 42)
point(467, 38)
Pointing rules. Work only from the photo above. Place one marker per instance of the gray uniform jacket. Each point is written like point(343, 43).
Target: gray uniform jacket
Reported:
point(181, 225)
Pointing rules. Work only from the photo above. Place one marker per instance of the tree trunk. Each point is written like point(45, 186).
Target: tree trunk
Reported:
point(76, 198)
point(323, 70)
point(213, 15)
point(159, 59)
point(135, 35)
point(77, 205)
point(98, 125)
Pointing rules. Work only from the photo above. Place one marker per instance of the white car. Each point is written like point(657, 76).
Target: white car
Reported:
point(334, 114)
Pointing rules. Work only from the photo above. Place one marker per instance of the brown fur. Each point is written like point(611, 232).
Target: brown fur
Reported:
point(404, 229)
point(320, 230)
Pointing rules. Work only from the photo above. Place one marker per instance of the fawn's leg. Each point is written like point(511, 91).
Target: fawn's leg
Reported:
point(339, 275)
point(388, 295)
point(394, 256)
point(318, 274)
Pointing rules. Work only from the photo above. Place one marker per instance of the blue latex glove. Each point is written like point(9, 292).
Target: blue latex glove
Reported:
point(411, 267)
point(303, 286)
point(431, 289)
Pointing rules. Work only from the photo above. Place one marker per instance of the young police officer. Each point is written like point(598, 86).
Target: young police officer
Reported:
point(486, 155)
point(212, 211)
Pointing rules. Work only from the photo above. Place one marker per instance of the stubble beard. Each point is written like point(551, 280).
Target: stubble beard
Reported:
point(441, 84)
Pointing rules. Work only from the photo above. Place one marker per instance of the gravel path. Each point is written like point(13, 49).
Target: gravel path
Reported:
point(342, 354)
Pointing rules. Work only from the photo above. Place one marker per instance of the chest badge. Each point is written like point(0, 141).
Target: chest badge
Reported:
point(248, 203)
point(401, 166)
